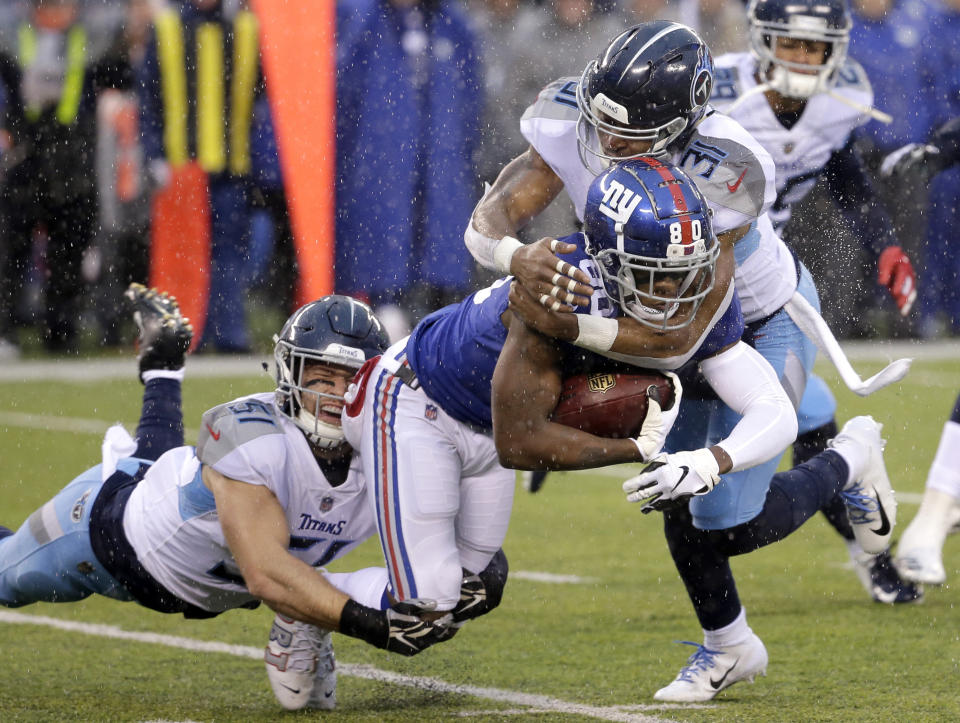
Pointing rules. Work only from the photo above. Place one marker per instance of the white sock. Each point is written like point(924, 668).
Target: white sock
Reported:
point(163, 374)
point(854, 455)
point(735, 633)
point(853, 547)
point(944, 474)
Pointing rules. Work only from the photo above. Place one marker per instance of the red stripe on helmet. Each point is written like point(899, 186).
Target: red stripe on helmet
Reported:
point(686, 230)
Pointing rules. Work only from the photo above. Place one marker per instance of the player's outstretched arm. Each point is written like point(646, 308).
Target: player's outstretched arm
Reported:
point(526, 387)
point(256, 531)
point(524, 188)
point(624, 335)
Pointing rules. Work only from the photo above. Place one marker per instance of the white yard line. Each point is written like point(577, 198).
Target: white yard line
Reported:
point(539, 703)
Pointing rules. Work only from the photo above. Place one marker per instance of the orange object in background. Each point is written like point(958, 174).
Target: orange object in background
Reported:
point(298, 43)
point(180, 242)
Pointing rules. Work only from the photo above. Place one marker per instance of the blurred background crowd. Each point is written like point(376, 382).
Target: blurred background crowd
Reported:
point(103, 101)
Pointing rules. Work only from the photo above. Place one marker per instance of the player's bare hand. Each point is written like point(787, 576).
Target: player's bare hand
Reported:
point(555, 324)
point(556, 284)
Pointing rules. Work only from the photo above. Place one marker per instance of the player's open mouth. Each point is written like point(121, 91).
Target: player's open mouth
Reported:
point(330, 413)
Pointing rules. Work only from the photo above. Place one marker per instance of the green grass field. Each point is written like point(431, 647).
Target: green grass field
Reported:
point(594, 644)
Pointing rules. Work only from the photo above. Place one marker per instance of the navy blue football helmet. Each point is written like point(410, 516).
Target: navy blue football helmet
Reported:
point(336, 330)
point(648, 229)
point(827, 21)
point(652, 82)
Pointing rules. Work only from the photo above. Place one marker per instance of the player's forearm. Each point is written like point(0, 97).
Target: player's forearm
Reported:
point(633, 339)
point(295, 589)
point(747, 383)
point(557, 447)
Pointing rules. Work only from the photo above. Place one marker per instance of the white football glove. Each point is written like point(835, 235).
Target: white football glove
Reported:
point(673, 478)
point(657, 424)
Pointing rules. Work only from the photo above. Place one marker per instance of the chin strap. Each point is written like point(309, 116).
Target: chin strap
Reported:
point(762, 88)
point(813, 325)
point(869, 110)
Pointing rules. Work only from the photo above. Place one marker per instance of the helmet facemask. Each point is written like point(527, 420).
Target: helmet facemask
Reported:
point(594, 112)
point(798, 80)
point(299, 402)
point(632, 281)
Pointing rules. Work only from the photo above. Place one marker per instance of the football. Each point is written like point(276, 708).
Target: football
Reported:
point(610, 404)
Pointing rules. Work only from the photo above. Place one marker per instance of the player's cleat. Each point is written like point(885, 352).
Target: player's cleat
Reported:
point(869, 498)
point(533, 479)
point(882, 582)
point(165, 334)
point(922, 565)
point(300, 665)
point(707, 671)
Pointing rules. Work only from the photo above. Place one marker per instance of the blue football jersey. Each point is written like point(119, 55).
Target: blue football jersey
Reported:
point(455, 350)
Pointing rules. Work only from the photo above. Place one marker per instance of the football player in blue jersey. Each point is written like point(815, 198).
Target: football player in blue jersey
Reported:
point(799, 94)
point(422, 416)
point(270, 493)
point(648, 92)
point(920, 552)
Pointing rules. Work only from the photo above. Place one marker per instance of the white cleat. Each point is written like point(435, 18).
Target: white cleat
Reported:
point(300, 665)
point(922, 565)
point(871, 505)
point(707, 671)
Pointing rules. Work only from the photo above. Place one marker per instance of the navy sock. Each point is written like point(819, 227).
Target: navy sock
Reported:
point(702, 556)
point(705, 570)
point(793, 498)
point(808, 445)
point(161, 419)
point(955, 417)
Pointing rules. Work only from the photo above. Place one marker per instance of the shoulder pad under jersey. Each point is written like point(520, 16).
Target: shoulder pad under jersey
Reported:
point(730, 168)
point(230, 425)
point(557, 101)
point(726, 80)
point(851, 76)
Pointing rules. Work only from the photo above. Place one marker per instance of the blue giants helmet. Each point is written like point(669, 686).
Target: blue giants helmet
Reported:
point(648, 229)
point(652, 82)
point(336, 330)
point(827, 21)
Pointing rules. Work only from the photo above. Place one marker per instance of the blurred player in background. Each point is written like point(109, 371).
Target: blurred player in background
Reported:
point(920, 552)
point(802, 98)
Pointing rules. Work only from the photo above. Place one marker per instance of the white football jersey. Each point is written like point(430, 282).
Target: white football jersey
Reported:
point(171, 518)
point(730, 168)
point(800, 152)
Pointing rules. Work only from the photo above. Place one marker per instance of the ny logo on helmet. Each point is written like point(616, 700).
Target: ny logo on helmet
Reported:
point(618, 202)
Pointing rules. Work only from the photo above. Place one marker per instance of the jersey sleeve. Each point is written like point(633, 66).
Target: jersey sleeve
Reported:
point(243, 440)
point(550, 114)
point(732, 170)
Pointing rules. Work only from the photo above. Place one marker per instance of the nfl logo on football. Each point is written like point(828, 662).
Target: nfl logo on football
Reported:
point(601, 382)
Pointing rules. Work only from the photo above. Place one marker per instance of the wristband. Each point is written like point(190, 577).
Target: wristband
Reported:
point(360, 621)
point(503, 252)
point(596, 333)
